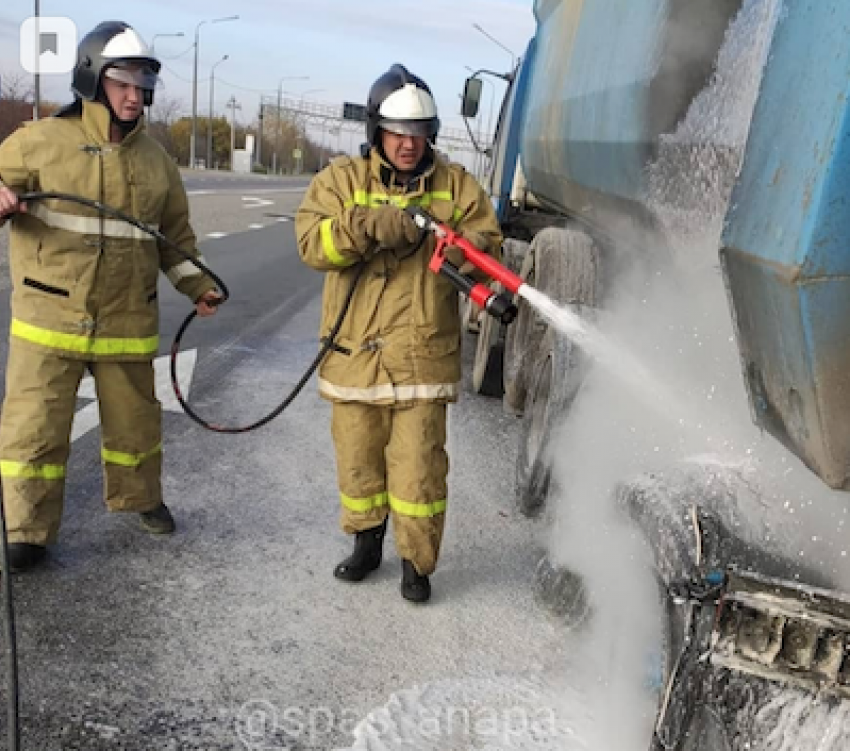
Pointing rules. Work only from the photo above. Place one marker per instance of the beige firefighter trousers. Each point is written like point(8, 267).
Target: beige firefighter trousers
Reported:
point(392, 460)
point(35, 429)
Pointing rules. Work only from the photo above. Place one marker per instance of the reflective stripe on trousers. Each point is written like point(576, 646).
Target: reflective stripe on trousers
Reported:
point(392, 460)
point(35, 428)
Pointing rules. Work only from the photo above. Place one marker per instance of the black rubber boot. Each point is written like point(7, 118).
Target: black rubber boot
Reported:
point(414, 586)
point(159, 521)
point(24, 555)
point(368, 551)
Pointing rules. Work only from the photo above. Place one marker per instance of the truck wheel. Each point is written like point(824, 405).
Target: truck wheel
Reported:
point(551, 389)
point(513, 253)
point(567, 266)
point(489, 354)
point(562, 592)
point(521, 340)
point(470, 316)
point(566, 263)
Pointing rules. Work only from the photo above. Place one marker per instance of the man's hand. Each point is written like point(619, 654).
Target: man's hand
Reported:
point(9, 203)
point(207, 304)
point(392, 228)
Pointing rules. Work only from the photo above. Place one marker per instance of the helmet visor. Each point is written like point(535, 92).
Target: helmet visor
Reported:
point(134, 74)
point(424, 128)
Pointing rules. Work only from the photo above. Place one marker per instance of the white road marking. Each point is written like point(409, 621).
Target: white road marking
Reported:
point(216, 235)
point(231, 191)
point(256, 226)
point(253, 202)
point(88, 417)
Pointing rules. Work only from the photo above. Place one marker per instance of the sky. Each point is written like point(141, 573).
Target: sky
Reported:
point(326, 51)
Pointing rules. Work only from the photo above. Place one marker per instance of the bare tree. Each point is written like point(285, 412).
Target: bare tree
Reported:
point(164, 113)
point(166, 110)
point(16, 102)
point(15, 87)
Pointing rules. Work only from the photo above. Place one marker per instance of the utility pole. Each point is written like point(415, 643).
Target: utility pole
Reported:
point(277, 129)
point(260, 135)
point(277, 120)
point(193, 136)
point(36, 102)
point(210, 122)
point(234, 105)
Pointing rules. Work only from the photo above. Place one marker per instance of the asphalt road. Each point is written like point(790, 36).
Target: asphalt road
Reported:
point(195, 180)
point(233, 634)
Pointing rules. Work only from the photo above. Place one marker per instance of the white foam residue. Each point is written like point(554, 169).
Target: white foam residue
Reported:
point(492, 713)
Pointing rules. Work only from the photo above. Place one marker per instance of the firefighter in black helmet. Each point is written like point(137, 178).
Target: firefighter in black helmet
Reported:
point(397, 363)
point(114, 50)
point(85, 292)
point(400, 102)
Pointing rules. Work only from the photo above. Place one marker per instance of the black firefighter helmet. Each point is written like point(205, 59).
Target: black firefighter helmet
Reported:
point(116, 50)
point(401, 102)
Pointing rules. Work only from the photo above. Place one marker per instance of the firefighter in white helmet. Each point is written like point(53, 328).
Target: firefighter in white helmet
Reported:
point(85, 291)
point(396, 363)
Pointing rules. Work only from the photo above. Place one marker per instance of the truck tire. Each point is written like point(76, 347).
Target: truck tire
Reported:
point(562, 592)
point(470, 315)
point(547, 399)
point(521, 341)
point(487, 372)
point(567, 267)
point(489, 355)
point(513, 253)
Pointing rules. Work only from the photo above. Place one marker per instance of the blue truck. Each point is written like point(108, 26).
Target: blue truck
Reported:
point(594, 161)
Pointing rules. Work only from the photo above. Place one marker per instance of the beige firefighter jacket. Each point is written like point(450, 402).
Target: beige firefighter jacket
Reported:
point(400, 341)
point(86, 285)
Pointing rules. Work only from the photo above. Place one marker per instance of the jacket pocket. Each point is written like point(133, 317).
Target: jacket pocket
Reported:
point(48, 288)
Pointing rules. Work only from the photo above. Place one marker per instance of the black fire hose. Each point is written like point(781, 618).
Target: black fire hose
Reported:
point(13, 716)
point(13, 692)
point(327, 343)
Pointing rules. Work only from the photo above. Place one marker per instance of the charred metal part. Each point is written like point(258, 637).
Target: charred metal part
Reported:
point(783, 631)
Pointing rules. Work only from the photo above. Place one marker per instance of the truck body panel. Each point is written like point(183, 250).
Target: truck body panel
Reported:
point(607, 79)
point(786, 247)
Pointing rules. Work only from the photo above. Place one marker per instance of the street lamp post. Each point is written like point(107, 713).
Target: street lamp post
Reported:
point(156, 36)
point(234, 105)
point(277, 120)
point(210, 119)
point(153, 53)
point(496, 41)
point(193, 138)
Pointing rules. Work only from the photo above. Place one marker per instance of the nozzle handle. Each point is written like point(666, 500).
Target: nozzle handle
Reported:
point(421, 218)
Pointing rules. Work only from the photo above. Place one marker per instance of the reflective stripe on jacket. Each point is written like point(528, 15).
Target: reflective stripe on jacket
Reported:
point(400, 341)
point(85, 284)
